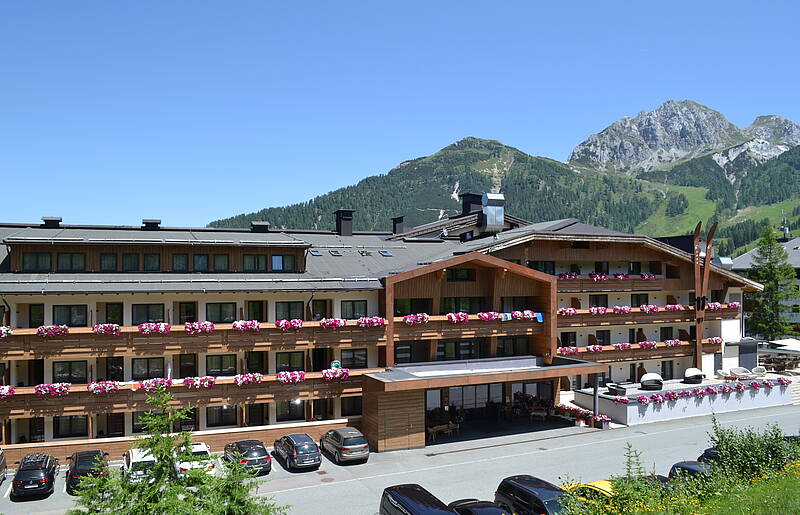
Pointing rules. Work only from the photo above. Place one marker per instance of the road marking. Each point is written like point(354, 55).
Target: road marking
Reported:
point(8, 492)
point(495, 458)
point(65, 486)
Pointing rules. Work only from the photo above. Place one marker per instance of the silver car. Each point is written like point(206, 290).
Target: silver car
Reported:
point(345, 444)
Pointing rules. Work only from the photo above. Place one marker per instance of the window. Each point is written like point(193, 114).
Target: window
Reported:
point(115, 368)
point(598, 301)
point(71, 262)
point(138, 425)
point(70, 372)
point(465, 304)
point(221, 312)
point(569, 339)
point(147, 313)
point(548, 267)
point(717, 295)
point(353, 309)
point(130, 262)
point(187, 312)
point(187, 365)
point(35, 315)
point(70, 426)
point(404, 307)
point(224, 365)
point(288, 310)
point(601, 267)
point(461, 274)
point(152, 262)
point(655, 267)
point(290, 410)
point(603, 337)
point(36, 261)
point(254, 263)
point(283, 263)
point(640, 299)
point(180, 262)
point(257, 362)
point(634, 267)
point(351, 406)
point(575, 269)
point(108, 262)
point(673, 272)
point(666, 333)
point(667, 369)
point(200, 263)
point(457, 350)
point(221, 262)
point(515, 303)
point(321, 308)
point(289, 361)
point(255, 310)
point(147, 368)
point(72, 316)
point(217, 416)
point(354, 358)
point(512, 346)
point(402, 353)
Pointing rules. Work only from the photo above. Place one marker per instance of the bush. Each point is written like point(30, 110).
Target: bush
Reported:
point(749, 453)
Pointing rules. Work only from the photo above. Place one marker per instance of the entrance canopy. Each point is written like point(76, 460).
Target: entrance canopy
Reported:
point(441, 374)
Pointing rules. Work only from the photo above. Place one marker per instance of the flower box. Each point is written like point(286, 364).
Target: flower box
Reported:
point(154, 328)
point(332, 323)
point(199, 382)
point(294, 324)
point(151, 385)
point(598, 277)
point(648, 308)
point(567, 351)
point(336, 374)
point(98, 387)
point(291, 377)
point(489, 316)
point(644, 400)
point(784, 381)
point(594, 348)
point(249, 378)
point(416, 319)
point(622, 346)
point(734, 305)
point(568, 275)
point(647, 345)
point(52, 389)
point(699, 393)
point(755, 385)
point(371, 322)
point(647, 277)
point(673, 307)
point(619, 399)
point(601, 421)
point(714, 306)
point(726, 388)
point(621, 277)
point(672, 343)
point(716, 340)
point(739, 387)
point(48, 331)
point(598, 310)
point(107, 329)
point(199, 327)
point(567, 312)
point(657, 398)
point(7, 391)
point(526, 314)
point(712, 390)
point(671, 395)
point(246, 326)
point(458, 318)
point(5, 331)
point(621, 310)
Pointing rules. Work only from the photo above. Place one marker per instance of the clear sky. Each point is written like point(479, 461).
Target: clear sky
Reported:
point(189, 111)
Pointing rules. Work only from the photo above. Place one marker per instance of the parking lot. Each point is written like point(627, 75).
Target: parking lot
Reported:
point(472, 468)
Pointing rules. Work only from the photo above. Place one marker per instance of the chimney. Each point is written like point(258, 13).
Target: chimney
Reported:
point(398, 225)
point(258, 226)
point(470, 202)
point(151, 224)
point(493, 212)
point(344, 222)
point(51, 222)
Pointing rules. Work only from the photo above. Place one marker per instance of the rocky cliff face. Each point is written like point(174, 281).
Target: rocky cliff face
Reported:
point(775, 129)
point(737, 160)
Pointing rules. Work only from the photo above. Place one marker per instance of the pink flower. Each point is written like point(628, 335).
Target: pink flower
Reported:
point(699, 393)
point(647, 345)
point(48, 331)
point(199, 327)
point(489, 316)
point(602, 418)
point(568, 275)
point(199, 382)
point(7, 391)
point(734, 305)
point(644, 400)
point(335, 374)
point(621, 310)
point(598, 310)
point(371, 322)
point(622, 346)
point(151, 385)
point(726, 388)
point(671, 395)
point(784, 381)
point(769, 384)
point(249, 378)
point(657, 398)
point(103, 387)
point(755, 385)
point(154, 328)
point(52, 389)
point(647, 277)
point(246, 325)
point(673, 307)
point(621, 276)
point(620, 399)
point(648, 308)
point(458, 318)
point(598, 277)
point(5, 331)
point(716, 340)
point(567, 351)
point(418, 319)
point(332, 323)
point(714, 306)
point(672, 343)
point(291, 377)
point(294, 324)
point(107, 329)
point(594, 348)
point(567, 312)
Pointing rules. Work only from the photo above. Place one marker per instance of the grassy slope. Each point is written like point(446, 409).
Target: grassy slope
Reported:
point(700, 209)
point(773, 496)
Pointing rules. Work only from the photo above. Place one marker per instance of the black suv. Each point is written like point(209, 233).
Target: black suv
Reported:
point(36, 475)
point(411, 499)
point(528, 495)
point(251, 453)
point(85, 463)
point(298, 451)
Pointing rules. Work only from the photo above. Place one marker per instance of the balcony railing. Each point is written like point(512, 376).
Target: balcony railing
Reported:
point(83, 342)
point(439, 327)
point(610, 354)
point(584, 317)
point(131, 397)
point(585, 284)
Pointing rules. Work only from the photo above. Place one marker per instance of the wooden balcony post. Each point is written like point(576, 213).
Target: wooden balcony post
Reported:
point(90, 425)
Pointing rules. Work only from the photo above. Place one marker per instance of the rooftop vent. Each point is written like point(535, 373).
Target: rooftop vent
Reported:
point(398, 225)
point(344, 222)
point(151, 224)
point(51, 222)
point(470, 203)
point(257, 226)
point(493, 212)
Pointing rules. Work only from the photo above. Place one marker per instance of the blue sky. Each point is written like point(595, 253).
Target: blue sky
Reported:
point(189, 111)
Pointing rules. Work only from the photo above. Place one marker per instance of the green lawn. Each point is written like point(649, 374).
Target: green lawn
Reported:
point(700, 209)
point(773, 496)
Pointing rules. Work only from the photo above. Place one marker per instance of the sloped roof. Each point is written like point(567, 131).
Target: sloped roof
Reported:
point(745, 261)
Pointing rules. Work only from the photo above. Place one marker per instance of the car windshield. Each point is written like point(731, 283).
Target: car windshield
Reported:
point(200, 453)
point(355, 440)
point(142, 466)
point(306, 449)
point(29, 474)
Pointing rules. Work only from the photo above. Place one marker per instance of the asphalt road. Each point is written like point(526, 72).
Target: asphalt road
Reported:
point(474, 468)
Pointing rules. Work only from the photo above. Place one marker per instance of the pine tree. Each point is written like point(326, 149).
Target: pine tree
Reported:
point(195, 492)
point(770, 268)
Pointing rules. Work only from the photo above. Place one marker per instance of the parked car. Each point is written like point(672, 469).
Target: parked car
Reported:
point(476, 507)
point(688, 468)
point(250, 453)
point(709, 455)
point(83, 464)
point(201, 460)
point(528, 495)
point(345, 444)
point(3, 466)
point(411, 499)
point(36, 475)
point(298, 451)
point(136, 465)
point(592, 491)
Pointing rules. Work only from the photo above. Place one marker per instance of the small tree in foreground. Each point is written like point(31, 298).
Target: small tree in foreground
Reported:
point(770, 268)
point(163, 492)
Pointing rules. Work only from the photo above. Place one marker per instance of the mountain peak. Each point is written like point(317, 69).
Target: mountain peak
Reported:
point(775, 129)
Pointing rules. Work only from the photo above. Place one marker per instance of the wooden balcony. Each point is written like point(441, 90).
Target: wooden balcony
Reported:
point(438, 327)
point(637, 317)
point(610, 354)
point(584, 284)
point(25, 403)
point(81, 342)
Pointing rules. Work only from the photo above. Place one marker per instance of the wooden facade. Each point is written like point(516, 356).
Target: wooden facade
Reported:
point(394, 420)
point(636, 317)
